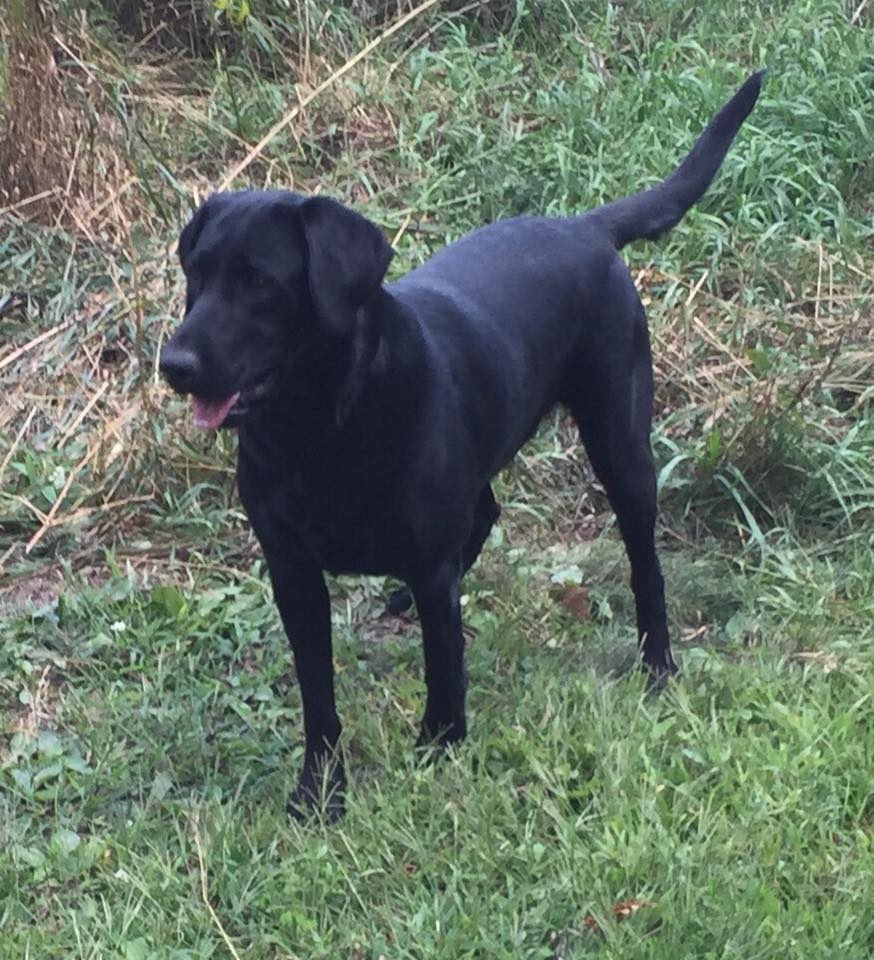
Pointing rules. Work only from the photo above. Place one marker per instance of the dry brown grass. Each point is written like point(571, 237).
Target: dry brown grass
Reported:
point(82, 394)
point(102, 413)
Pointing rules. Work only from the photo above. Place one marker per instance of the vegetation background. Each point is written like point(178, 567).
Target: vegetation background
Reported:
point(150, 726)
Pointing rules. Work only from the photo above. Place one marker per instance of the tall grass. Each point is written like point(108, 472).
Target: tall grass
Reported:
point(467, 119)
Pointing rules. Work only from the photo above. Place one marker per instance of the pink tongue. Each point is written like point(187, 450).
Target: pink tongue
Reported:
point(209, 414)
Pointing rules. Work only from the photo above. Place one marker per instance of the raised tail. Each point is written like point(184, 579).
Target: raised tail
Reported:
point(650, 213)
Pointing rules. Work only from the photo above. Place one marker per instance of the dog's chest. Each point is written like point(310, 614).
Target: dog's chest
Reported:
point(327, 508)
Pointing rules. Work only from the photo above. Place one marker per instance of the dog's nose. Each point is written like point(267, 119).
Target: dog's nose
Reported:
point(180, 367)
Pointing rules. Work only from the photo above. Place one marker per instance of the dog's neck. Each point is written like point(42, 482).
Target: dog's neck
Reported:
point(322, 387)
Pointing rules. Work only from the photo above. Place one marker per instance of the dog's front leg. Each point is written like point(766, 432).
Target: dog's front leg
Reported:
point(304, 605)
point(437, 601)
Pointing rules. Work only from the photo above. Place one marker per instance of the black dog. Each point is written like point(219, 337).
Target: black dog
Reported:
point(373, 417)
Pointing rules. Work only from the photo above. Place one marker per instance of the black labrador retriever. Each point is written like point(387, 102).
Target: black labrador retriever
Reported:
point(373, 417)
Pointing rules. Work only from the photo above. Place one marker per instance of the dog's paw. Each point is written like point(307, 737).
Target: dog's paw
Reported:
point(433, 741)
point(319, 794)
point(658, 675)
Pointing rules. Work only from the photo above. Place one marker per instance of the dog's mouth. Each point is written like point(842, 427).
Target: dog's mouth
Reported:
point(212, 414)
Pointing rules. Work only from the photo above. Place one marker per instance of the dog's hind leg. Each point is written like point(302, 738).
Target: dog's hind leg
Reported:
point(487, 512)
point(610, 397)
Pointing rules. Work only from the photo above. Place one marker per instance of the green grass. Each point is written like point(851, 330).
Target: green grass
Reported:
point(151, 723)
point(740, 802)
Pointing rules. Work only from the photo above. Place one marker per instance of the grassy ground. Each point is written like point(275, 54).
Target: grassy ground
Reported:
point(151, 721)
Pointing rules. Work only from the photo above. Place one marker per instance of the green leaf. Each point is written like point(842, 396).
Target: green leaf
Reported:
point(66, 840)
point(137, 949)
point(22, 779)
point(568, 576)
point(31, 856)
point(161, 786)
point(76, 763)
point(49, 743)
point(713, 445)
point(168, 599)
point(47, 772)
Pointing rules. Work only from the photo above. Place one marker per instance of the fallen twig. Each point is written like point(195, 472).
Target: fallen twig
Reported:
point(25, 347)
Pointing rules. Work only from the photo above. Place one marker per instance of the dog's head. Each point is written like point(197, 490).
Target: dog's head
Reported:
point(268, 274)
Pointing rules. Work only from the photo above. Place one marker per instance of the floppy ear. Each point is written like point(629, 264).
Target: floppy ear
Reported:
point(347, 257)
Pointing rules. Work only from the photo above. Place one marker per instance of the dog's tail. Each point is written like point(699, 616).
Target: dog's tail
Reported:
point(652, 212)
